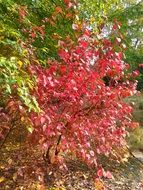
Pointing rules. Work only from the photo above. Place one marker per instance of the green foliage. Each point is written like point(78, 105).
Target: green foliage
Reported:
point(98, 11)
point(136, 136)
point(47, 22)
point(50, 22)
point(129, 13)
point(135, 139)
point(14, 80)
point(132, 21)
point(9, 29)
point(141, 105)
point(14, 77)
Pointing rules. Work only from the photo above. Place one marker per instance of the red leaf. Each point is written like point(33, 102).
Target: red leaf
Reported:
point(135, 73)
point(33, 34)
point(141, 65)
point(42, 120)
point(66, 1)
point(108, 175)
point(100, 173)
point(58, 9)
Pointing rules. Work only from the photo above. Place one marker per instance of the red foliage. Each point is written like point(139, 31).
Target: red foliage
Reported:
point(12, 114)
point(22, 13)
point(77, 105)
point(4, 122)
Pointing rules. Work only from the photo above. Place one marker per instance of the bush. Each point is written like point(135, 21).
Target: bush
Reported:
point(80, 113)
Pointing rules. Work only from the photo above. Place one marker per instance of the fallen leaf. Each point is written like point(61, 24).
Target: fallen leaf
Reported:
point(109, 175)
point(2, 179)
point(14, 177)
point(10, 161)
point(2, 167)
point(99, 185)
point(41, 187)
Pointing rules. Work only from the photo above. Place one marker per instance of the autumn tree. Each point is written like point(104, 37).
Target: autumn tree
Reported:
point(102, 15)
point(30, 32)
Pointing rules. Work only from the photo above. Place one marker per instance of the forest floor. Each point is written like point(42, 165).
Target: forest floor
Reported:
point(23, 168)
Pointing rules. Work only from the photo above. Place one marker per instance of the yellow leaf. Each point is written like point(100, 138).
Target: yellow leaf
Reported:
point(1, 37)
point(2, 167)
point(25, 52)
point(125, 159)
point(99, 185)
point(20, 63)
point(2, 179)
point(92, 19)
point(22, 118)
point(14, 177)
point(10, 161)
point(41, 187)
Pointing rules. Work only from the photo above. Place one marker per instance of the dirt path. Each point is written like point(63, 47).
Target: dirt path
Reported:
point(138, 155)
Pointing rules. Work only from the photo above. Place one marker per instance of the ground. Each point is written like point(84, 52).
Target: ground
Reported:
point(22, 168)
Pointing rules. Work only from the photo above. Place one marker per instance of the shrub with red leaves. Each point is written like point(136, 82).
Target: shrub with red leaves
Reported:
point(80, 113)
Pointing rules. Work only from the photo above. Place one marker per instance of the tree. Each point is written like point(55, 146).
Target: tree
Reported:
point(131, 18)
point(26, 27)
point(129, 13)
point(32, 31)
point(41, 23)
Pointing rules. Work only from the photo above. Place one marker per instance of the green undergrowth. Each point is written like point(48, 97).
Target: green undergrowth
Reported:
point(135, 139)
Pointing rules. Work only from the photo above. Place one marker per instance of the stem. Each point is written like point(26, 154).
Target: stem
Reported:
point(58, 142)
